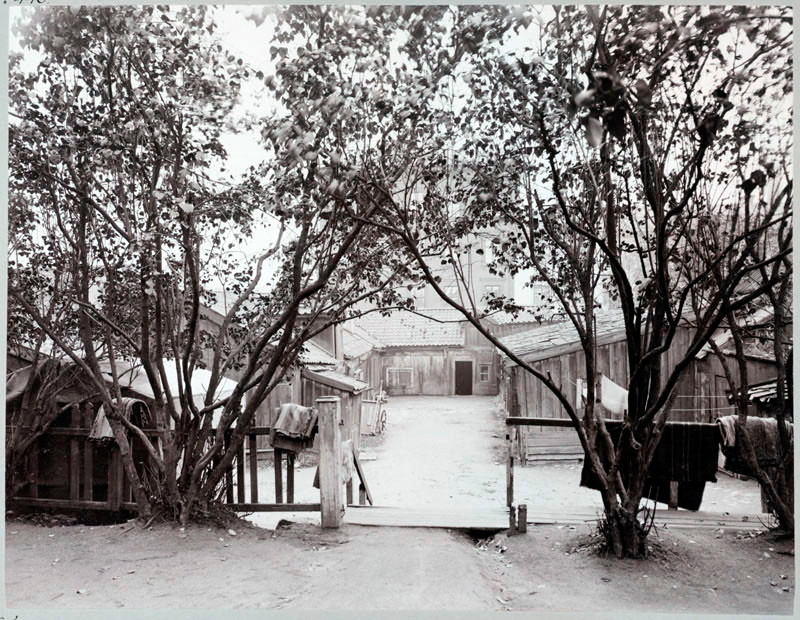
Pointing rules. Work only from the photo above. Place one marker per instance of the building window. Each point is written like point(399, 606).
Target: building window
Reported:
point(483, 372)
point(492, 288)
point(451, 291)
point(399, 377)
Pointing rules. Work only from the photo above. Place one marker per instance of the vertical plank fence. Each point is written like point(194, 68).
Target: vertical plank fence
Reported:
point(92, 477)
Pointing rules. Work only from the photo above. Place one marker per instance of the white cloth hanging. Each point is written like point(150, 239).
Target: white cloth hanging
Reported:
point(612, 396)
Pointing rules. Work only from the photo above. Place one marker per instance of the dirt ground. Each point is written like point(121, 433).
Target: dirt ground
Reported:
point(299, 566)
point(441, 451)
point(437, 452)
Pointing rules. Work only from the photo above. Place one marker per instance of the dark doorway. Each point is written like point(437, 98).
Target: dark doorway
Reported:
point(464, 378)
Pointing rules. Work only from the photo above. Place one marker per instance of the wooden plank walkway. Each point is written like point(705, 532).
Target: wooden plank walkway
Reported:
point(680, 519)
point(497, 519)
point(439, 517)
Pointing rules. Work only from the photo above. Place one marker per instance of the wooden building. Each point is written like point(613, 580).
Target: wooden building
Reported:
point(432, 352)
point(701, 393)
point(361, 357)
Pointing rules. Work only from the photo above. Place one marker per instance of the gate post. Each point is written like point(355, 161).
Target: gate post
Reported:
point(330, 461)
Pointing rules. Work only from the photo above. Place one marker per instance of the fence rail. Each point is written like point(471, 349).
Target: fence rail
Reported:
point(74, 475)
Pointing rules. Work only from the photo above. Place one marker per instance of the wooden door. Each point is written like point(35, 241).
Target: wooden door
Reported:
point(463, 378)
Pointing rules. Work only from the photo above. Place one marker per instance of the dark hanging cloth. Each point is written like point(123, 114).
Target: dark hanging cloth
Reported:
point(763, 433)
point(294, 428)
point(688, 453)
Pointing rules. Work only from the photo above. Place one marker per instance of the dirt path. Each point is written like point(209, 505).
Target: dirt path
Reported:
point(698, 571)
point(437, 452)
point(449, 452)
point(360, 568)
point(298, 567)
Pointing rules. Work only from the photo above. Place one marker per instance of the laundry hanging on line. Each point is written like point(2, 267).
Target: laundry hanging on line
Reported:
point(764, 437)
point(613, 397)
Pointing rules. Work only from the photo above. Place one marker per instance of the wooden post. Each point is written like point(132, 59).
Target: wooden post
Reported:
point(74, 457)
point(229, 473)
point(290, 477)
point(509, 471)
point(88, 470)
point(253, 450)
point(88, 457)
point(240, 475)
point(278, 475)
point(673, 495)
point(512, 520)
point(330, 461)
point(522, 518)
point(116, 475)
point(33, 467)
point(362, 494)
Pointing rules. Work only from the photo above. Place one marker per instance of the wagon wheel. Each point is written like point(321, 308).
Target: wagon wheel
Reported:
point(382, 421)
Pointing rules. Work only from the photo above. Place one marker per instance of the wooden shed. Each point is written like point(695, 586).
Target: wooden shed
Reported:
point(68, 469)
point(362, 357)
point(432, 352)
point(701, 393)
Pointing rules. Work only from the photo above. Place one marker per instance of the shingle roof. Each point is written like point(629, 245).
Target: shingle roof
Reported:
point(559, 338)
point(425, 328)
point(528, 314)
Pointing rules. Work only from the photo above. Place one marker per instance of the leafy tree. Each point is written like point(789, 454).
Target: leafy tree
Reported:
point(603, 156)
point(122, 226)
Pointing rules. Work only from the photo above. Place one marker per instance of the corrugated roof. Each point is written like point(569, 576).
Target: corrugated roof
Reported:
point(424, 328)
point(559, 338)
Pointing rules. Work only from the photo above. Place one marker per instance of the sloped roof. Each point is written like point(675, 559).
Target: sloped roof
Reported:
point(766, 392)
point(336, 380)
point(316, 355)
point(356, 342)
point(559, 338)
point(753, 348)
point(133, 377)
point(528, 314)
point(426, 327)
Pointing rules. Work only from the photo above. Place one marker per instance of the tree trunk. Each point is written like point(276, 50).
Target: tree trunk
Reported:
point(142, 501)
point(783, 511)
point(626, 536)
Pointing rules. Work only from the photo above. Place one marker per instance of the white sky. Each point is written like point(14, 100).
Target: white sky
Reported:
point(245, 39)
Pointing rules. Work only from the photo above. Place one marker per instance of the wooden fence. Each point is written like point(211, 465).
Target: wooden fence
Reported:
point(70, 472)
point(664, 453)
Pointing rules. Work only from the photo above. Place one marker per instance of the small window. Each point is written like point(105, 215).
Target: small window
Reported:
point(399, 377)
point(492, 288)
point(483, 371)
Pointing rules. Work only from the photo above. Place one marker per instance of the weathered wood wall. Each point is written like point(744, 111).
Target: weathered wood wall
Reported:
point(701, 392)
point(433, 369)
